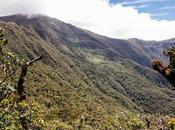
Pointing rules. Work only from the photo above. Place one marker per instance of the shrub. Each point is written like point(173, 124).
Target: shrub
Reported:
point(171, 124)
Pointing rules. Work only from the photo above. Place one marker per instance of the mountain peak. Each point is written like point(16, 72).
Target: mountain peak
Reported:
point(22, 19)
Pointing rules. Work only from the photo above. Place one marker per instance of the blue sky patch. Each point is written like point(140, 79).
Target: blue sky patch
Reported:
point(159, 9)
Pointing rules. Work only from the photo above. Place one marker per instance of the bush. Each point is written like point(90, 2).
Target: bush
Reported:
point(171, 124)
point(135, 124)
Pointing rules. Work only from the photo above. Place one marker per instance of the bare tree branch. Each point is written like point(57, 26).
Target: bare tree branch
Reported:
point(8, 76)
point(34, 60)
point(22, 77)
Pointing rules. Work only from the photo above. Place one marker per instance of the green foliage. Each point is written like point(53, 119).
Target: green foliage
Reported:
point(170, 52)
point(13, 113)
point(8, 61)
point(135, 124)
point(171, 124)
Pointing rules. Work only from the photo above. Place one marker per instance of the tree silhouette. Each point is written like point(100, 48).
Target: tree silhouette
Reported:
point(167, 71)
point(170, 52)
point(10, 64)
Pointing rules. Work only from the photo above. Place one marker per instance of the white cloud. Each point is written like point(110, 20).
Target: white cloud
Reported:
point(99, 16)
point(141, 6)
point(8, 7)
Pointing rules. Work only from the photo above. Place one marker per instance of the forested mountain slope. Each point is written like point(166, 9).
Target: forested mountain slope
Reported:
point(83, 73)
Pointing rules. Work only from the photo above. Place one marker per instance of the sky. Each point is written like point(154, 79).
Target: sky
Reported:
point(143, 19)
point(159, 9)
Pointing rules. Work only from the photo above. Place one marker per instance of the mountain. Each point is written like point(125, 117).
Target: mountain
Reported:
point(83, 73)
point(154, 49)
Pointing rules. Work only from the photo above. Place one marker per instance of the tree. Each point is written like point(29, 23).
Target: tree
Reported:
point(9, 64)
point(13, 107)
point(170, 52)
point(167, 71)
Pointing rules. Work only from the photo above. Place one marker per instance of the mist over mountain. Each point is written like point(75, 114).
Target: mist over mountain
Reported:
point(83, 72)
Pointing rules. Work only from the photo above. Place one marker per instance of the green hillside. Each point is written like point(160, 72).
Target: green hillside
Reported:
point(86, 81)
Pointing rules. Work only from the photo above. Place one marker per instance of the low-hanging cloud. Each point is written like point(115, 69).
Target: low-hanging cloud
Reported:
point(8, 7)
point(98, 16)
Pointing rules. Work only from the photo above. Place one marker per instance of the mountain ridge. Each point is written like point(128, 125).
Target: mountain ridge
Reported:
point(88, 73)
